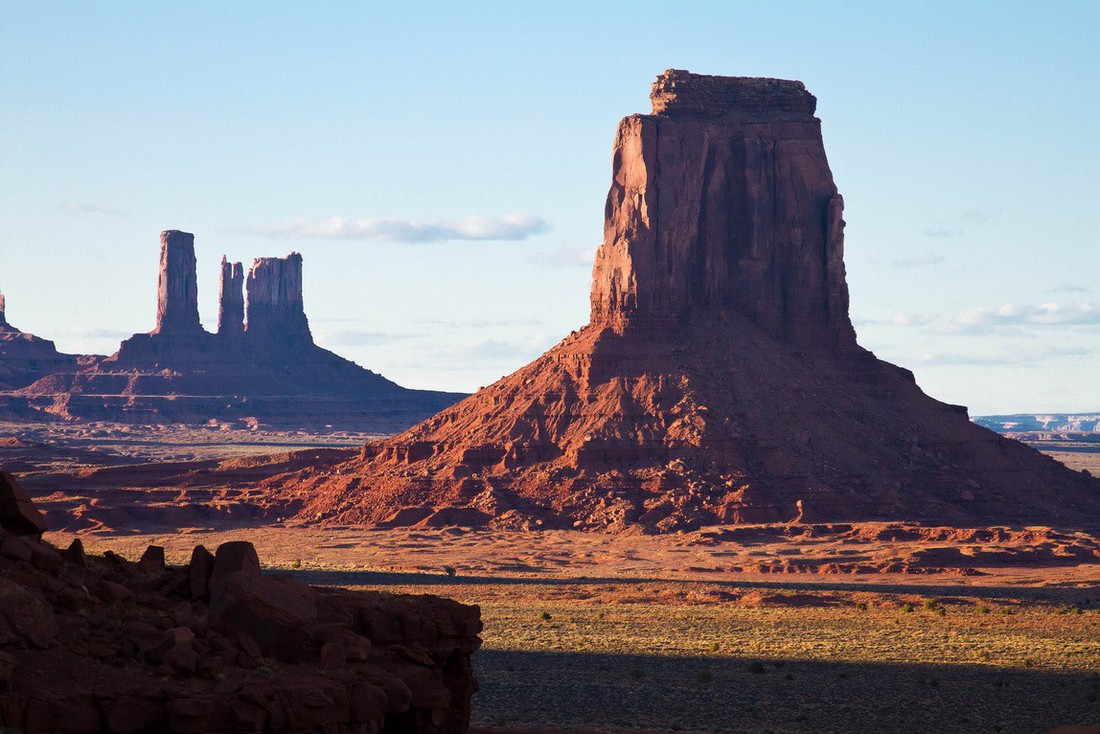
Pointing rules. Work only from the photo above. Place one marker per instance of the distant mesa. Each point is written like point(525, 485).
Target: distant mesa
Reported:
point(24, 357)
point(261, 366)
point(719, 379)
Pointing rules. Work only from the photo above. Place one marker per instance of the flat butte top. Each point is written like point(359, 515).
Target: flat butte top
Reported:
point(680, 94)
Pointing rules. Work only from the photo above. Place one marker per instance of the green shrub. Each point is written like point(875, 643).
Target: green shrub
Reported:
point(545, 616)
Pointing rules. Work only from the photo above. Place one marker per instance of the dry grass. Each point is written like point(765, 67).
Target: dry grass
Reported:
point(702, 657)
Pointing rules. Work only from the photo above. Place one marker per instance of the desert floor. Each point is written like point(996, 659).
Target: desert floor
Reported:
point(875, 627)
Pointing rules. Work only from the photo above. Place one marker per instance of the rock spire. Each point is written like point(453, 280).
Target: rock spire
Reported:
point(274, 304)
point(177, 285)
point(231, 300)
point(722, 201)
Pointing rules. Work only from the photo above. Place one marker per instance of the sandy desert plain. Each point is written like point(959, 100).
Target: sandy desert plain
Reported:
point(783, 628)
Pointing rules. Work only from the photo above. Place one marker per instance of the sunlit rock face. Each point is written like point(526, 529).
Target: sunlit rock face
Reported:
point(722, 200)
point(719, 380)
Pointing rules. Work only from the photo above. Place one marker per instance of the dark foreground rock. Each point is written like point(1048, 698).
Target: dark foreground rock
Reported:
point(99, 643)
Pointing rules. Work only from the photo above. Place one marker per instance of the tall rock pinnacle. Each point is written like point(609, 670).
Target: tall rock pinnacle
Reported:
point(3, 311)
point(231, 300)
point(722, 201)
point(274, 307)
point(177, 285)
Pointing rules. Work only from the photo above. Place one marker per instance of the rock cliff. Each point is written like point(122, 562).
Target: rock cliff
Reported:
point(722, 201)
point(25, 358)
point(275, 310)
point(719, 380)
point(231, 301)
point(177, 285)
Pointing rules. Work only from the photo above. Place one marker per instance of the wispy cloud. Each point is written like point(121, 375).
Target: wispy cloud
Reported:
point(1047, 314)
point(84, 207)
point(565, 257)
point(352, 338)
point(1016, 357)
point(510, 227)
point(959, 225)
point(910, 319)
point(1070, 288)
point(917, 262)
point(88, 332)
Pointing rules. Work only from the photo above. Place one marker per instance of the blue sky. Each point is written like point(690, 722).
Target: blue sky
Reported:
point(443, 167)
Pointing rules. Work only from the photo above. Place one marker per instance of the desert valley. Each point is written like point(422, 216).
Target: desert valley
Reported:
point(710, 509)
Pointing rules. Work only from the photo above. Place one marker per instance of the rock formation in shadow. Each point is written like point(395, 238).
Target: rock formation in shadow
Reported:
point(24, 357)
point(261, 366)
point(101, 643)
point(719, 380)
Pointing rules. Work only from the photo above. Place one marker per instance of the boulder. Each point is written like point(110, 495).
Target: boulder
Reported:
point(18, 515)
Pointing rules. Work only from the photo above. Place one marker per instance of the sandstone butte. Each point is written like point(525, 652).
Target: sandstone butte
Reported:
point(261, 366)
point(719, 380)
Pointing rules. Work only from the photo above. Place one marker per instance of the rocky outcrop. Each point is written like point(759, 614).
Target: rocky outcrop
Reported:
point(26, 358)
point(231, 301)
point(177, 285)
point(722, 200)
point(274, 307)
point(100, 643)
point(267, 371)
point(719, 380)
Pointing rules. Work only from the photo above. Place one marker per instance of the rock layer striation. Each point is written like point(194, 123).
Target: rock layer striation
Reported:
point(719, 380)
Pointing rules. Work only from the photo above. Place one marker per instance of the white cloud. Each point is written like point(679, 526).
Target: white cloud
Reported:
point(909, 319)
point(1047, 314)
point(510, 227)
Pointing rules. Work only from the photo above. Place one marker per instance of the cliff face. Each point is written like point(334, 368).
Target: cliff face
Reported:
point(177, 285)
point(231, 300)
point(722, 201)
point(275, 309)
point(26, 358)
point(719, 380)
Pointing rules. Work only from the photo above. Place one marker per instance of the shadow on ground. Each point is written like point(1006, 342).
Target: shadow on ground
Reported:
point(716, 694)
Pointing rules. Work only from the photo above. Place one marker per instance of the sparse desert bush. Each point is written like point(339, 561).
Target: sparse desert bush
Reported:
point(757, 668)
point(450, 570)
point(545, 616)
point(907, 607)
point(982, 609)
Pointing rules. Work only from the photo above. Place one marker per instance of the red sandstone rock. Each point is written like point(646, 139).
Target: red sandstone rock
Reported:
point(270, 372)
point(274, 302)
point(18, 515)
point(177, 285)
point(117, 661)
point(722, 201)
point(231, 300)
point(719, 381)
